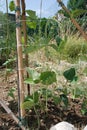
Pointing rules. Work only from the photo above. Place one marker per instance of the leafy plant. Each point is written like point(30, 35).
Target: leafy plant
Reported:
point(48, 77)
point(75, 48)
point(70, 74)
point(84, 107)
point(11, 93)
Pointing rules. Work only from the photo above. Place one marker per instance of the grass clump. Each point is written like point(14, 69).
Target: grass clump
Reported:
point(75, 48)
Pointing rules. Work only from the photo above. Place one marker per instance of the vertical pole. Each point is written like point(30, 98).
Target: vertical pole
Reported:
point(7, 38)
point(25, 38)
point(20, 58)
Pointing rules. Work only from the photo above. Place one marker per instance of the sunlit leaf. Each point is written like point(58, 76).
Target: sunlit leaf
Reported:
point(33, 74)
point(31, 24)
point(31, 13)
point(29, 81)
point(12, 6)
point(28, 104)
point(36, 97)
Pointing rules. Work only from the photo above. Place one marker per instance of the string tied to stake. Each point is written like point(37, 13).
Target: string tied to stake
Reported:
point(17, 8)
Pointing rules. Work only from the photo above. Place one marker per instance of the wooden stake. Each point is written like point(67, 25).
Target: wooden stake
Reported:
point(73, 20)
point(20, 57)
point(24, 27)
point(2, 102)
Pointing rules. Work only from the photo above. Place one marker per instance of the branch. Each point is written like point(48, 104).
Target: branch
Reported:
point(8, 110)
point(73, 20)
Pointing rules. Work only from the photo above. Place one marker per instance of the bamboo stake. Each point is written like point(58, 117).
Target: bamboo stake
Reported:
point(25, 38)
point(20, 57)
point(73, 20)
point(2, 102)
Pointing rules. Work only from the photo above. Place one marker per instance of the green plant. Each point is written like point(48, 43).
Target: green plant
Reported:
point(45, 79)
point(11, 93)
point(84, 107)
point(7, 39)
point(75, 48)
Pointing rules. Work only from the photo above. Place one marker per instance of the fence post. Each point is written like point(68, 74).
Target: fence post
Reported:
point(24, 27)
point(20, 57)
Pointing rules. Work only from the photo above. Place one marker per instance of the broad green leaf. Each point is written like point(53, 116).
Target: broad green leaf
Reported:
point(29, 81)
point(31, 24)
point(48, 77)
point(28, 104)
point(12, 6)
point(33, 74)
point(31, 13)
point(70, 74)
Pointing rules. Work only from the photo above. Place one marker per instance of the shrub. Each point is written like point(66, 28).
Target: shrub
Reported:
point(75, 48)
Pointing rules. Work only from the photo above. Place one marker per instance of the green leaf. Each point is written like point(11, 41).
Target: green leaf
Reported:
point(64, 99)
point(36, 97)
point(48, 77)
point(33, 48)
point(84, 107)
point(11, 92)
point(77, 92)
point(78, 12)
point(28, 104)
point(70, 74)
point(54, 47)
point(22, 39)
point(31, 13)
point(12, 6)
point(34, 77)
point(58, 40)
point(9, 61)
point(33, 74)
point(29, 81)
point(56, 100)
point(31, 24)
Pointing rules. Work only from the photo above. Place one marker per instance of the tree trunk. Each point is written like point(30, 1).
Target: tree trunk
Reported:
point(73, 20)
point(20, 58)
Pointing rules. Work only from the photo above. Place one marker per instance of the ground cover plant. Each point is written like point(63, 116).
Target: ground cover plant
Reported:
point(57, 75)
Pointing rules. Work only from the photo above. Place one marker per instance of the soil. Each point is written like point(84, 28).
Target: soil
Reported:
point(53, 115)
